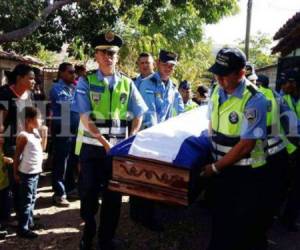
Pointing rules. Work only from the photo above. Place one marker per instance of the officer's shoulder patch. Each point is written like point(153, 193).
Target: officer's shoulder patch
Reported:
point(251, 114)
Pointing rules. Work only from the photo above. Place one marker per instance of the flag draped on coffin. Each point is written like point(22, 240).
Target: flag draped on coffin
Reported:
point(181, 140)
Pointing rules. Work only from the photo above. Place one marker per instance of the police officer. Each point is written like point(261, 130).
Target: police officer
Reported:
point(160, 93)
point(238, 128)
point(276, 170)
point(145, 65)
point(186, 94)
point(291, 88)
point(64, 161)
point(104, 100)
point(163, 101)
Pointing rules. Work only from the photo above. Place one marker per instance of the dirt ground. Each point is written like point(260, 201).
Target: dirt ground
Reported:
point(186, 229)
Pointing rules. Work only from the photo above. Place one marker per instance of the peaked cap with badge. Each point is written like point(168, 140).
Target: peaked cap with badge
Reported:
point(108, 41)
point(227, 61)
point(168, 57)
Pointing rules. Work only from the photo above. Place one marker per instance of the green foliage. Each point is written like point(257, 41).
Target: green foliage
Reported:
point(150, 25)
point(260, 50)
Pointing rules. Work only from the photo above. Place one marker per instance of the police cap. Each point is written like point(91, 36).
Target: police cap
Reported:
point(289, 75)
point(108, 41)
point(227, 61)
point(168, 57)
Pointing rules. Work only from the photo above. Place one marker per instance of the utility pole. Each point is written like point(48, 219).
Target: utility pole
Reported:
point(249, 13)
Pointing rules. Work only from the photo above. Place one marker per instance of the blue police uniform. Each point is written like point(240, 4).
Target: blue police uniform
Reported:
point(64, 160)
point(163, 100)
point(237, 191)
point(137, 81)
point(96, 167)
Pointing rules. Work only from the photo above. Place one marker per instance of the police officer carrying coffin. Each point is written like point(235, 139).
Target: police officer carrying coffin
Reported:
point(238, 126)
point(104, 100)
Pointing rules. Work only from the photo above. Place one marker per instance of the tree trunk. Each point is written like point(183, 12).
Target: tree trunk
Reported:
point(18, 34)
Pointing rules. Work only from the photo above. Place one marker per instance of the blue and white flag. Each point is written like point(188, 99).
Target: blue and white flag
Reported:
point(182, 141)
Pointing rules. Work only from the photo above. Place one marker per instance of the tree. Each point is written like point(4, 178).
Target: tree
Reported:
point(63, 22)
point(25, 17)
point(260, 50)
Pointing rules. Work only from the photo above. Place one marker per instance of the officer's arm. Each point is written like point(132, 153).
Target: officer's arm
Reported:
point(94, 131)
point(136, 125)
point(239, 151)
point(136, 107)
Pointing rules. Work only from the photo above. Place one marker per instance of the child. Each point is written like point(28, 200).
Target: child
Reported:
point(4, 191)
point(27, 167)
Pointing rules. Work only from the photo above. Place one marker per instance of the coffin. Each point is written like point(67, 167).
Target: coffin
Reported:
point(143, 167)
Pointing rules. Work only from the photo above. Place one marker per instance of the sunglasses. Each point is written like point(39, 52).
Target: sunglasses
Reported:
point(109, 52)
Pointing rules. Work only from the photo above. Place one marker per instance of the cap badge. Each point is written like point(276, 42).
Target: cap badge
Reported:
point(109, 36)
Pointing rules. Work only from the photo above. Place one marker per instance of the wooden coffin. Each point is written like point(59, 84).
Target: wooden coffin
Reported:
point(154, 180)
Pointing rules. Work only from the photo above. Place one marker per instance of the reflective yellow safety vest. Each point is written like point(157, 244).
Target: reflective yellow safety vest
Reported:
point(293, 107)
point(109, 111)
point(226, 122)
point(291, 148)
point(276, 140)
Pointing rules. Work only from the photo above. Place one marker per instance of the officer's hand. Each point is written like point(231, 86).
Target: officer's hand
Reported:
point(207, 171)
point(107, 146)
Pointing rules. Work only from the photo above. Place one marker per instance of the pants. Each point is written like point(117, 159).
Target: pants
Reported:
point(5, 205)
point(293, 198)
point(274, 188)
point(27, 193)
point(95, 171)
point(142, 210)
point(13, 186)
point(64, 165)
point(235, 195)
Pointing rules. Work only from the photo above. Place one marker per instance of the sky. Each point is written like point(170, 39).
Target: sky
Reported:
point(267, 16)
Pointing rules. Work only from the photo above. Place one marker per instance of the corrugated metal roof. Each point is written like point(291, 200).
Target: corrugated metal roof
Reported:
point(288, 36)
point(288, 26)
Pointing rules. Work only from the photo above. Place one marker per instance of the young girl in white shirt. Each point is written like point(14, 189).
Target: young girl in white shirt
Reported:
point(27, 166)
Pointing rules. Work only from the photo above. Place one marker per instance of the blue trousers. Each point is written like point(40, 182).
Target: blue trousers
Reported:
point(95, 171)
point(27, 195)
point(64, 164)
